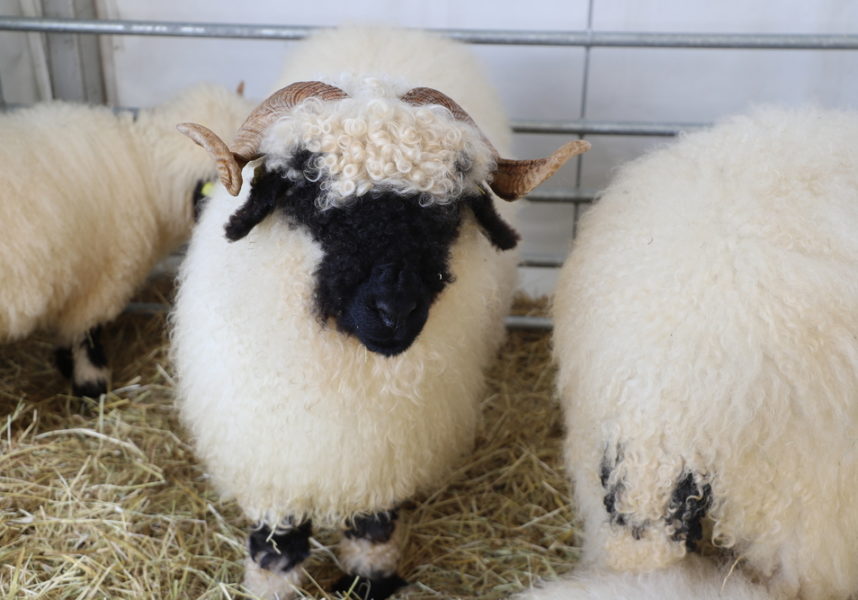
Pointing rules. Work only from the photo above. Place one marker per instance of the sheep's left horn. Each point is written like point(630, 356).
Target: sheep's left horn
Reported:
point(229, 165)
point(516, 178)
point(512, 178)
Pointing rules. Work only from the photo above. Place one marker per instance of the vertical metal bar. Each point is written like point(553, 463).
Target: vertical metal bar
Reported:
point(2, 99)
point(74, 61)
point(585, 85)
point(37, 44)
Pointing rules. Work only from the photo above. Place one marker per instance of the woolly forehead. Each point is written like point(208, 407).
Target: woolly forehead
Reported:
point(381, 144)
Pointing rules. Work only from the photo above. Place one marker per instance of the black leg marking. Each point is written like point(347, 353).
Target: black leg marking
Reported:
point(606, 469)
point(280, 551)
point(368, 588)
point(88, 365)
point(369, 553)
point(688, 505)
point(64, 361)
point(377, 528)
point(94, 349)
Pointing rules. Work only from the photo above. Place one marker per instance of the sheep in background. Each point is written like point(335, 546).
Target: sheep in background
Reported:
point(706, 330)
point(91, 201)
point(330, 347)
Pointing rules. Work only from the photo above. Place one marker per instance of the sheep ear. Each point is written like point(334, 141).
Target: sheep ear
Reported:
point(499, 232)
point(239, 89)
point(516, 178)
point(229, 165)
point(264, 190)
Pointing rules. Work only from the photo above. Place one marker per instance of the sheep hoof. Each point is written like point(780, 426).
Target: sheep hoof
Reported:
point(367, 588)
point(271, 585)
point(83, 362)
point(282, 551)
point(90, 389)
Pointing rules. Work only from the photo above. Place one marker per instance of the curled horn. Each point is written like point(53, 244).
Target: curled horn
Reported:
point(516, 178)
point(230, 161)
point(512, 178)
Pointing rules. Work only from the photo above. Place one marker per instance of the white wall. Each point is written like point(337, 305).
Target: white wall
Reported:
point(534, 82)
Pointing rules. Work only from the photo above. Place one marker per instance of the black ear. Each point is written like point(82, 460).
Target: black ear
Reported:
point(499, 232)
point(265, 188)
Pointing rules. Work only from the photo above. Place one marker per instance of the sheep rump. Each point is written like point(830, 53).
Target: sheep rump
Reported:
point(707, 337)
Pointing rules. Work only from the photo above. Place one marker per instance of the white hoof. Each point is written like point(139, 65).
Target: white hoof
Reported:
point(271, 585)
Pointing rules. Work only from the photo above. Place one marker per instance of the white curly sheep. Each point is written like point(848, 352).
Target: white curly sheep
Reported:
point(91, 200)
point(331, 359)
point(706, 330)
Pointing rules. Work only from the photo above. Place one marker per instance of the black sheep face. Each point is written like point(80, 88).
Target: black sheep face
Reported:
point(385, 256)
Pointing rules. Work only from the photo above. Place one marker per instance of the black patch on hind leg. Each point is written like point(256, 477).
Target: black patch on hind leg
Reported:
point(280, 551)
point(64, 361)
point(94, 349)
point(377, 528)
point(606, 468)
point(368, 588)
point(688, 505)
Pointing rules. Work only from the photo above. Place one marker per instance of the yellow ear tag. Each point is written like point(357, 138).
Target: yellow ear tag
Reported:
point(208, 188)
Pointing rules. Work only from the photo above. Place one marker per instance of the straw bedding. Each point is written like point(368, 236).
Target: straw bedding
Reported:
point(104, 499)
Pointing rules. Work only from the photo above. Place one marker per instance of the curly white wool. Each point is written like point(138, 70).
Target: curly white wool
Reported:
point(92, 200)
point(374, 141)
point(705, 324)
point(694, 578)
point(388, 427)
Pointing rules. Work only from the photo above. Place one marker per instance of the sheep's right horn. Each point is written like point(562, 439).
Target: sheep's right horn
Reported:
point(229, 165)
point(230, 162)
point(250, 134)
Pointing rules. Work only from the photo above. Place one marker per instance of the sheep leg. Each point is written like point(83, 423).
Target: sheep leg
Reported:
point(272, 570)
point(83, 361)
point(656, 510)
point(369, 553)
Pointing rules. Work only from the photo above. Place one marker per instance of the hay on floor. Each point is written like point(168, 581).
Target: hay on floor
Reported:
point(104, 499)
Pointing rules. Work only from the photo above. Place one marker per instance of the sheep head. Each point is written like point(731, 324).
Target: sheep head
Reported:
point(381, 185)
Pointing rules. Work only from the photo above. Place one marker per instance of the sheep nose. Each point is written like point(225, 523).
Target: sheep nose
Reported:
point(394, 312)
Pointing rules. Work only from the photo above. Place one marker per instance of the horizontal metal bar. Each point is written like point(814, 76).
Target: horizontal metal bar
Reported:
point(576, 127)
point(156, 28)
point(634, 39)
point(147, 308)
point(562, 196)
point(519, 322)
point(549, 261)
point(512, 322)
point(587, 127)
point(591, 39)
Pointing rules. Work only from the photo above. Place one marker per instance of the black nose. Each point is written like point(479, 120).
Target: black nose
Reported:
point(393, 312)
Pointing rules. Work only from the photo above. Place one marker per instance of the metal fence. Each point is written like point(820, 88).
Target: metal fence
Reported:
point(586, 39)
